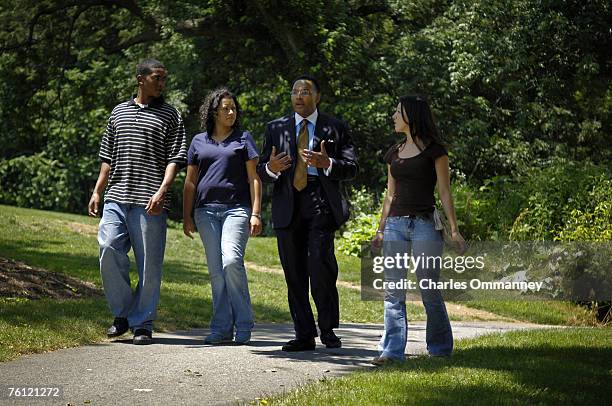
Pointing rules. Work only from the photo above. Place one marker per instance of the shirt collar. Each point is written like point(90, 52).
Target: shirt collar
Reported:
point(311, 118)
point(155, 102)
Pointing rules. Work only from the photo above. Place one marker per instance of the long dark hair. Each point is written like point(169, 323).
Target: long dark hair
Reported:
point(422, 126)
point(211, 104)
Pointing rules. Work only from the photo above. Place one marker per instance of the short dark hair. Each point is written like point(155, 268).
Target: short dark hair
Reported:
point(211, 104)
point(314, 81)
point(146, 66)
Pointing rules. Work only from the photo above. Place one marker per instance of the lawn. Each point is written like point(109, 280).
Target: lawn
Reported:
point(555, 366)
point(66, 243)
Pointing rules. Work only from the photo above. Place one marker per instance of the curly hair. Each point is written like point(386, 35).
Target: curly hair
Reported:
point(211, 104)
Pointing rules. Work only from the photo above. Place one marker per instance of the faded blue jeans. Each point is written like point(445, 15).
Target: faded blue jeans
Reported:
point(224, 231)
point(124, 227)
point(416, 236)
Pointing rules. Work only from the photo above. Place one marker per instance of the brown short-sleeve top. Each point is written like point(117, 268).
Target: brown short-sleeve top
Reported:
point(415, 180)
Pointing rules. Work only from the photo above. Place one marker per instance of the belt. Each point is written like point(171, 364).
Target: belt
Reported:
point(424, 216)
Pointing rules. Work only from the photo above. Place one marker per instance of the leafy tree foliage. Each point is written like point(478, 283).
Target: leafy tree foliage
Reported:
point(513, 82)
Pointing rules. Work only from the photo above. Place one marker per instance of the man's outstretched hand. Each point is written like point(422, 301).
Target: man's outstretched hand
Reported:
point(316, 159)
point(279, 162)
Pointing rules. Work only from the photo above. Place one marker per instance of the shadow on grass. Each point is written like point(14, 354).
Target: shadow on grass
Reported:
point(182, 310)
point(543, 373)
point(185, 298)
point(36, 253)
point(86, 266)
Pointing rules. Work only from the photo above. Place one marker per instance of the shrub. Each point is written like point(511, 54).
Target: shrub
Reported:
point(583, 224)
point(37, 181)
point(564, 200)
point(362, 226)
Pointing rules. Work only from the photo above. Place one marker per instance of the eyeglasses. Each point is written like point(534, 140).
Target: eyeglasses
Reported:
point(301, 92)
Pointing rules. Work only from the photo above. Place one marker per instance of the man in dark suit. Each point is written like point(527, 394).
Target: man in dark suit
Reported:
point(306, 154)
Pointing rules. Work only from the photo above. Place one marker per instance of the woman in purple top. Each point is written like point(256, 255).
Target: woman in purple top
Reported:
point(223, 185)
point(406, 226)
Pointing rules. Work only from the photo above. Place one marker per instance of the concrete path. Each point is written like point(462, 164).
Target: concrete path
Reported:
point(179, 369)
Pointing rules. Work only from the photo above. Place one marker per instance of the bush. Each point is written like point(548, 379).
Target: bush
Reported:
point(585, 224)
point(362, 226)
point(565, 200)
point(474, 212)
point(39, 182)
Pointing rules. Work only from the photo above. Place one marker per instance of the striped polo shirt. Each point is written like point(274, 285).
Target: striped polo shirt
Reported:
point(138, 144)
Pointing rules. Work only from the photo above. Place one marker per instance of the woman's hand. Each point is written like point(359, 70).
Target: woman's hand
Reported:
point(255, 225)
point(188, 226)
point(459, 241)
point(377, 241)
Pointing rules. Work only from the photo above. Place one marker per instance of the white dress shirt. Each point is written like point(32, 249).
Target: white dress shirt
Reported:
point(312, 123)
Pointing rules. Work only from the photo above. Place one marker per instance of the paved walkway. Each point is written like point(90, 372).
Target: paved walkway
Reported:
point(179, 369)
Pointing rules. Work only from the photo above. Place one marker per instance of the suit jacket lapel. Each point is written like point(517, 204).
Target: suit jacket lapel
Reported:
point(290, 132)
point(288, 137)
point(318, 133)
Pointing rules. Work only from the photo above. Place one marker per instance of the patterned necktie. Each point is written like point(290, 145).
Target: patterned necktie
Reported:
point(300, 175)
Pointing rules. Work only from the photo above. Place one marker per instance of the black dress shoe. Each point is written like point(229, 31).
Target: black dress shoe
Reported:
point(330, 339)
point(299, 345)
point(119, 327)
point(142, 337)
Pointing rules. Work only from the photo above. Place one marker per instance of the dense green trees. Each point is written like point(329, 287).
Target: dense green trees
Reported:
point(515, 83)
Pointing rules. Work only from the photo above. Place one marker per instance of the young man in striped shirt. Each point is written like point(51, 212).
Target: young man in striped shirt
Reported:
point(142, 149)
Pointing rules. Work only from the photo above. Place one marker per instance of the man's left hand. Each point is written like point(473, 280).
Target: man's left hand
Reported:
point(316, 159)
point(155, 204)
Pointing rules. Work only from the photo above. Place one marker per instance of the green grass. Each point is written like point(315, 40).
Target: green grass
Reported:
point(539, 312)
point(560, 366)
point(28, 326)
point(264, 251)
point(67, 243)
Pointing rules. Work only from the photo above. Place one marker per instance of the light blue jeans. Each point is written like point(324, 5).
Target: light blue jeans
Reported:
point(224, 231)
point(419, 237)
point(124, 227)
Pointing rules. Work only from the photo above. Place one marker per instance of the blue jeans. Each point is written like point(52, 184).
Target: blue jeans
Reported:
point(224, 231)
point(419, 237)
point(125, 226)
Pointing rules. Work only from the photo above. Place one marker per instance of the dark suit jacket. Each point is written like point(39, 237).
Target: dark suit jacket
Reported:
point(281, 134)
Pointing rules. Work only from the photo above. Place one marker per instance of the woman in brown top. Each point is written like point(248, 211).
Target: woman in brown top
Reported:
point(406, 226)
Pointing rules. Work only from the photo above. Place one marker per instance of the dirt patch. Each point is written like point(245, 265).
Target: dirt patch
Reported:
point(278, 271)
point(86, 229)
point(20, 280)
point(455, 309)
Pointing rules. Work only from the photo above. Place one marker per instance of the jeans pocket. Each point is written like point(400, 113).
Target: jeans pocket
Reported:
point(392, 221)
point(393, 224)
point(243, 211)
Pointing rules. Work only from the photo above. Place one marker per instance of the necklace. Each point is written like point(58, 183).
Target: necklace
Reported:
point(408, 150)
